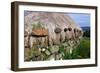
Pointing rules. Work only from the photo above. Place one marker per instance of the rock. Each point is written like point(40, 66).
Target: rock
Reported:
point(27, 54)
point(26, 42)
point(51, 57)
point(36, 58)
point(36, 52)
point(25, 34)
point(27, 59)
point(57, 40)
point(65, 29)
point(58, 56)
point(70, 29)
point(44, 41)
point(41, 41)
point(57, 30)
point(54, 49)
point(47, 52)
point(69, 35)
point(65, 44)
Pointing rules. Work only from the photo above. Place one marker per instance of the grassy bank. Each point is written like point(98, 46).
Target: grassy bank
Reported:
point(82, 51)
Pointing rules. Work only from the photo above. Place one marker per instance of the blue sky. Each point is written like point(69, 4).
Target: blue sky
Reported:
point(82, 19)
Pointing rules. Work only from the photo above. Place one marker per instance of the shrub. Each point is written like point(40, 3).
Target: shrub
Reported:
point(87, 33)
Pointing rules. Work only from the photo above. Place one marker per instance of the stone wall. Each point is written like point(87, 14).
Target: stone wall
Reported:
point(60, 30)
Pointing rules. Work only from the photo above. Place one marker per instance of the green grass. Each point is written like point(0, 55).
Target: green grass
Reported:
point(82, 51)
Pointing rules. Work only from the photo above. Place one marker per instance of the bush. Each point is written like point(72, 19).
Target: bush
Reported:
point(87, 33)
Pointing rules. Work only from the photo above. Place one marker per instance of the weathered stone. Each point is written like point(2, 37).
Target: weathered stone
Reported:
point(70, 29)
point(58, 56)
point(44, 41)
point(65, 44)
point(57, 30)
point(26, 42)
point(57, 40)
point(36, 58)
point(41, 41)
point(36, 52)
point(51, 57)
point(25, 34)
point(27, 54)
point(54, 49)
point(47, 52)
point(65, 29)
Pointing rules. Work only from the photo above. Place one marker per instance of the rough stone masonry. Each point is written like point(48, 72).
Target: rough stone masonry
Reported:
point(46, 32)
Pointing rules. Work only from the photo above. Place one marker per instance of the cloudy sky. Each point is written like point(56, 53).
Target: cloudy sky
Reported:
point(82, 19)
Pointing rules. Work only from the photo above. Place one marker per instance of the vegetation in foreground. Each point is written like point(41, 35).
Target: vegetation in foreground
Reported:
point(62, 51)
point(82, 51)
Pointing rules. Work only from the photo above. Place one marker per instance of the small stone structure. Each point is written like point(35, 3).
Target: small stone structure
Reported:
point(45, 41)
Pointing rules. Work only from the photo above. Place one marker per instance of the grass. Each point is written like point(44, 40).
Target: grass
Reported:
point(82, 51)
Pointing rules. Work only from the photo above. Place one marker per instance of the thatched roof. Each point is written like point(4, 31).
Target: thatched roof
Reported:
point(49, 29)
point(49, 19)
point(54, 22)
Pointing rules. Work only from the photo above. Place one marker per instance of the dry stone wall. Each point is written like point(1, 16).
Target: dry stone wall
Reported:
point(45, 33)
